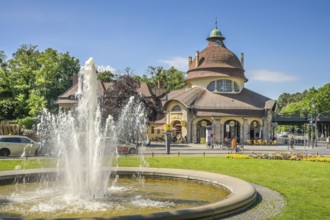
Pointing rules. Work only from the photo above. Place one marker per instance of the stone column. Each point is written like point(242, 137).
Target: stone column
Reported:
point(246, 130)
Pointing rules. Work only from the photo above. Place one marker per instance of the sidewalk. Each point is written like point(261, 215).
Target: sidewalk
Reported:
point(198, 149)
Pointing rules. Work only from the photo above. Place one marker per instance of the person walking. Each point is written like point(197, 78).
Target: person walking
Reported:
point(234, 145)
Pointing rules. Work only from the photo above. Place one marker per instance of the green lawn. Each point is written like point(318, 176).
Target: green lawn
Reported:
point(305, 185)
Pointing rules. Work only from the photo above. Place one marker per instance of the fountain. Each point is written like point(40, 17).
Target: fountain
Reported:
point(88, 183)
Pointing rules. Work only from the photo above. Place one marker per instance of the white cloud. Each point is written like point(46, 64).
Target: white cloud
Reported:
point(179, 63)
point(270, 76)
point(102, 68)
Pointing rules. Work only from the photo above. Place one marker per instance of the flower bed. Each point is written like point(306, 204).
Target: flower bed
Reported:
point(282, 156)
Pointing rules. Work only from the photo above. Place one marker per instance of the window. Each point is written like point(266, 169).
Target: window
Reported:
point(176, 109)
point(211, 86)
point(24, 140)
point(152, 130)
point(223, 86)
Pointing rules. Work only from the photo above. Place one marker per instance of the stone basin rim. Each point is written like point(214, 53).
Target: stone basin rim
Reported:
point(242, 194)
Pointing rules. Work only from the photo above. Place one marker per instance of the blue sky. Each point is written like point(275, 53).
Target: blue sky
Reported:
point(286, 43)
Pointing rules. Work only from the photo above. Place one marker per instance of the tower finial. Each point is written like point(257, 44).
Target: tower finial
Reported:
point(216, 22)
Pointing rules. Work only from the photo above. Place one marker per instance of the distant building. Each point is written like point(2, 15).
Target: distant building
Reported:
point(68, 101)
point(215, 103)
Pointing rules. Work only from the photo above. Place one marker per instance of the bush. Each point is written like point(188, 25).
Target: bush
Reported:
point(27, 122)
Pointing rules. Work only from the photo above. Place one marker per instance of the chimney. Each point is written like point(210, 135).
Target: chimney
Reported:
point(242, 59)
point(158, 84)
point(197, 58)
point(74, 79)
point(189, 61)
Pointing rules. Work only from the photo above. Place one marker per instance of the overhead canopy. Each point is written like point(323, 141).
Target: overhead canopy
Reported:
point(161, 127)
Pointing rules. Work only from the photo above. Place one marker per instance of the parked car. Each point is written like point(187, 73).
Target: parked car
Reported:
point(122, 146)
point(17, 145)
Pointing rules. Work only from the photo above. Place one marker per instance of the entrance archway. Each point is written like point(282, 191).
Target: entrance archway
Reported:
point(177, 131)
point(232, 130)
point(202, 131)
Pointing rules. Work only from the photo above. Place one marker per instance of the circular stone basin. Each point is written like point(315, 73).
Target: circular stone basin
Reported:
point(161, 193)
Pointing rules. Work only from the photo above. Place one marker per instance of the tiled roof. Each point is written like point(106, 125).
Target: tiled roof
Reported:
point(201, 99)
point(215, 57)
point(66, 97)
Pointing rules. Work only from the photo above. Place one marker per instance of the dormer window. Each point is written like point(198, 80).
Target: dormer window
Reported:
point(176, 109)
point(223, 86)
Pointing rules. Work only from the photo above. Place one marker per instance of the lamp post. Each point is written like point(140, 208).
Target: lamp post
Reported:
point(312, 119)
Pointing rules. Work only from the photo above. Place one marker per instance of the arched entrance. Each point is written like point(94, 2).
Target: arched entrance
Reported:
point(254, 130)
point(202, 131)
point(232, 130)
point(177, 131)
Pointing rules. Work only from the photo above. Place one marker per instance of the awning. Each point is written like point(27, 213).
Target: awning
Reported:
point(161, 127)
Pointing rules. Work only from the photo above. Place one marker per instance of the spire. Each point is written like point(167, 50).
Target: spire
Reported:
point(216, 38)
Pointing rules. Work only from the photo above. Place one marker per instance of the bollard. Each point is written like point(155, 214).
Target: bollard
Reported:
point(179, 154)
point(152, 154)
point(204, 153)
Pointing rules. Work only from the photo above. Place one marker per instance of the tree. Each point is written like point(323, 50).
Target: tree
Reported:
point(170, 79)
point(105, 76)
point(7, 102)
point(115, 99)
point(22, 69)
point(32, 80)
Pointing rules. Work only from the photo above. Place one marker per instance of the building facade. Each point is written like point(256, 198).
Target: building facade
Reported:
point(215, 104)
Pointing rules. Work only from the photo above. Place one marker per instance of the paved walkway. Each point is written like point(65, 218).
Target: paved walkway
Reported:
point(201, 149)
point(269, 204)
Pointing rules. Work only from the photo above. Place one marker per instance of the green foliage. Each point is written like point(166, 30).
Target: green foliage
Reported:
point(106, 76)
point(32, 80)
point(170, 79)
point(27, 122)
point(310, 102)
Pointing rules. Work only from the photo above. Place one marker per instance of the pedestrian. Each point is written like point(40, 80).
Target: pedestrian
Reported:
point(234, 144)
point(227, 142)
point(291, 141)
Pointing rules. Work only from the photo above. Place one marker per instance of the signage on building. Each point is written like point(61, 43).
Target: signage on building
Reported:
point(204, 123)
point(184, 123)
point(167, 127)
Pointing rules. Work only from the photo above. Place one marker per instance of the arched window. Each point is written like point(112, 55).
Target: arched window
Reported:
point(223, 86)
point(176, 109)
point(211, 86)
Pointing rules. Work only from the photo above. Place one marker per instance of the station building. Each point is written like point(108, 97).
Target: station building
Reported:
point(215, 104)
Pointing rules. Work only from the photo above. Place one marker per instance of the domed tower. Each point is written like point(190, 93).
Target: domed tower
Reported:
point(215, 105)
point(215, 62)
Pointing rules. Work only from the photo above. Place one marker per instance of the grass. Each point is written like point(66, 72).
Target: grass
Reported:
point(305, 185)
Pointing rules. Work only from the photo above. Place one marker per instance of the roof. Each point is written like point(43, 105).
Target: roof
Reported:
point(225, 103)
point(216, 33)
point(215, 60)
point(216, 57)
point(69, 96)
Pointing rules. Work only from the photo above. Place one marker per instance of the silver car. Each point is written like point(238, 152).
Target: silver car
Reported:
point(17, 145)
